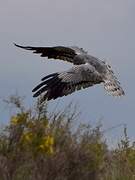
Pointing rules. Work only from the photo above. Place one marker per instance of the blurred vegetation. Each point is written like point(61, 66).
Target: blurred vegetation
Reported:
point(38, 145)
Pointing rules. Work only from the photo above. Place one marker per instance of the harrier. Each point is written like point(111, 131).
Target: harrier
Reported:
point(86, 71)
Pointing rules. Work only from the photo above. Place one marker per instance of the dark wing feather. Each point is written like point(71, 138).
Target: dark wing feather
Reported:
point(64, 83)
point(58, 52)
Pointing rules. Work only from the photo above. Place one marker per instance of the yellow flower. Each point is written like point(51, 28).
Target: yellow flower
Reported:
point(47, 145)
point(49, 140)
point(18, 119)
point(50, 150)
point(27, 137)
point(14, 120)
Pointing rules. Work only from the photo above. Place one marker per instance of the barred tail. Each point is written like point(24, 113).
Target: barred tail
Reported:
point(113, 87)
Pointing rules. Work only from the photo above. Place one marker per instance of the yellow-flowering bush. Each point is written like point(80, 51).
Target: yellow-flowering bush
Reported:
point(37, 146)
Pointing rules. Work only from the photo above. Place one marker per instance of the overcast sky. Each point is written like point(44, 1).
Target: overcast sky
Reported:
point(105, 28)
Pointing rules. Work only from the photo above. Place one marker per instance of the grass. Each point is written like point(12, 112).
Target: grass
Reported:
point(38, 145)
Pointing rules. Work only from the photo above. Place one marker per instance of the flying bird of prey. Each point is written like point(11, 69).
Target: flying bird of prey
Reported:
point(86, 71)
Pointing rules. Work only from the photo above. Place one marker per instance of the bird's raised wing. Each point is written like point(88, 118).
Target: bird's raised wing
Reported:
point(57, 52)
point(61, 84)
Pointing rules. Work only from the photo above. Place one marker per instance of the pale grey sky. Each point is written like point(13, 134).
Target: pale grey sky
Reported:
point(104, 28)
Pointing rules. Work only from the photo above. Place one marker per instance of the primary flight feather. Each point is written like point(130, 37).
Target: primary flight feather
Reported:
point(87, 71)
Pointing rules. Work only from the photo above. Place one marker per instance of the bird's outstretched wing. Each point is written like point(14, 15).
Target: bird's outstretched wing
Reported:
point(61, 84)
point(111, 83)
point(57, 52)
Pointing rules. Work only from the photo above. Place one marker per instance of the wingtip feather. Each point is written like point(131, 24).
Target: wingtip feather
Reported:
point(17, 45)
point(23, 47)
